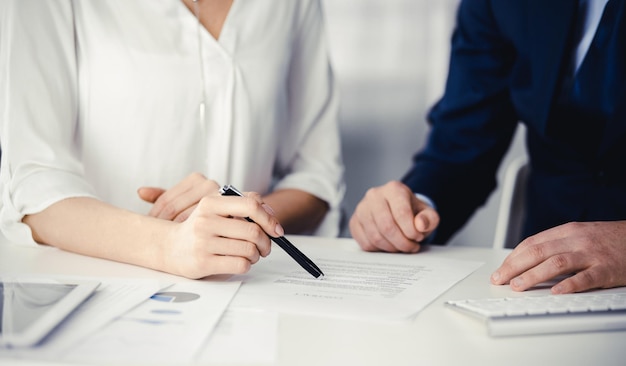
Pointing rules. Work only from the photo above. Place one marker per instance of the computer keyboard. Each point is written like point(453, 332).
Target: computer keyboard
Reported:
point(525, 315)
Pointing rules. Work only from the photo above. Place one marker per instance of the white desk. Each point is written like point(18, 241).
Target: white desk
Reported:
point(437, 336)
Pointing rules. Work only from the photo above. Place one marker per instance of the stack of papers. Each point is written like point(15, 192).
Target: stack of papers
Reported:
point(143, 321)
point(171, 327)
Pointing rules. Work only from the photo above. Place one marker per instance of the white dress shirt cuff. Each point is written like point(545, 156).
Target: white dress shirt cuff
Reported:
point(426, 200)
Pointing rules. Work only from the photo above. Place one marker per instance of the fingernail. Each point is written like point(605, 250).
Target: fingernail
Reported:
point(279, 230)
point(517, 282)
point(495, 276)
point(558, 289)
point(268, 209)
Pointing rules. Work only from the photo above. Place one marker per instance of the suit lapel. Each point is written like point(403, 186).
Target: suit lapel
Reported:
point(616, 125)
point(551, 23)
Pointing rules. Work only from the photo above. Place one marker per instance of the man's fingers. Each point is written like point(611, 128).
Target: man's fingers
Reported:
point(372, 212)
point(554, 266)
point(426, 221)
point(530, 253)
point(402, 206)
point(358, 234)
point(371, 218)
point(385, 219)
point(582, 281)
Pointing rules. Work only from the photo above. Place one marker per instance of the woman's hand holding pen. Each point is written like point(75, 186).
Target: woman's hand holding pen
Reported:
point(207, 240)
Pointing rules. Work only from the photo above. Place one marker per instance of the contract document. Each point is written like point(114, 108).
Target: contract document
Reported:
point(357, 284)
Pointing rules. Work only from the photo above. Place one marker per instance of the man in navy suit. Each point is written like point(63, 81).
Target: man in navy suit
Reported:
point(557, 66)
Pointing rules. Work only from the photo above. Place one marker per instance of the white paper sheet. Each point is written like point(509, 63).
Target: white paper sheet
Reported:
point(357, 284)
point(251, 330)
point(171, 327)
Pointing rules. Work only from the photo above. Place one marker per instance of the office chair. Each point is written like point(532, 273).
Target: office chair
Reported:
point(510, 218)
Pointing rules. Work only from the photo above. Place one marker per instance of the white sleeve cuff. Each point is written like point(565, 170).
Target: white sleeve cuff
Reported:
point(426, 200)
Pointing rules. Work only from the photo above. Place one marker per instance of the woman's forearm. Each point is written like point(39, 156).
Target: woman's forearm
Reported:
point(297, 211)
point(91, 227)
point(209, 242)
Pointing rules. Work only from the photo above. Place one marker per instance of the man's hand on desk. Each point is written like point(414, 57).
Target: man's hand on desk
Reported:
point(391, 219)
point(594, 251)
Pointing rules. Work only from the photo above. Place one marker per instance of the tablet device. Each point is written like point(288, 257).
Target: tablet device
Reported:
point(31, 307)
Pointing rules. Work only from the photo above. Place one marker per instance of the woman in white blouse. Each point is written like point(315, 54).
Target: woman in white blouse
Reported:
point(121, 118)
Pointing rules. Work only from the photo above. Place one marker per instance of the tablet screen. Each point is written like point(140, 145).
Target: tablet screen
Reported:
point(23, 303)
point(32, 308)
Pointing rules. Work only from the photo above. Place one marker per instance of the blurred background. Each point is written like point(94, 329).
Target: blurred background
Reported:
point(390, 58)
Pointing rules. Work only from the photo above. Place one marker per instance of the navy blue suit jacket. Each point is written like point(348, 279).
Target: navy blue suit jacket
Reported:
point(507, 58)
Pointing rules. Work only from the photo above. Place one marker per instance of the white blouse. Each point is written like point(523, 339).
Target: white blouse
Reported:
point(99, 98)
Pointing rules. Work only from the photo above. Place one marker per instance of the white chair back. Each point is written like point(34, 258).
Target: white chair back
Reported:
point(510, 218)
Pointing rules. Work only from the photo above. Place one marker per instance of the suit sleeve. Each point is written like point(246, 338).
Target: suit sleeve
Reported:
point(472, 124)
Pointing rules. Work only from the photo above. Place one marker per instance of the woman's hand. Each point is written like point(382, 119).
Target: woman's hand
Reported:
point(215, 240)
point(178, 202)
point(210, 239)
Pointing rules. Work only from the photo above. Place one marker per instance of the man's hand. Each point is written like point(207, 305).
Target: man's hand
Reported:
point(595, 252)
point(390, 218)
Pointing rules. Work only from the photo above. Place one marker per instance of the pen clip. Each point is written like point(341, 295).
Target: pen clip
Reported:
point(228, 190)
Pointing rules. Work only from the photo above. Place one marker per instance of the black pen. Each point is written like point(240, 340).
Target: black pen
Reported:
point(282, 242)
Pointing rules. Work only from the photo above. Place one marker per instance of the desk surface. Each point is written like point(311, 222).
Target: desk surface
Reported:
point(437, 336)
